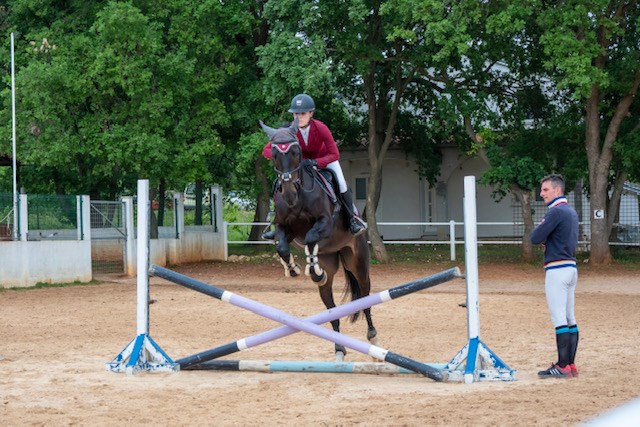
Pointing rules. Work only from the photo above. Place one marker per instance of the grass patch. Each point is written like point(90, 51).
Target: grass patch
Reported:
point(43, 285)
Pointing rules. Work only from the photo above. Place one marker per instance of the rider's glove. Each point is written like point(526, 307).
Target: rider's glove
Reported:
point(310, 162)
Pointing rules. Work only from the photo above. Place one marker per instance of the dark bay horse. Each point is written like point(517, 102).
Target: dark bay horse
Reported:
point(308, 217)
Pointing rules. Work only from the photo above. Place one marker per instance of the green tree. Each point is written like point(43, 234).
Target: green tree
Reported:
point(520, 156)
point(112, 91)
point(593, 49)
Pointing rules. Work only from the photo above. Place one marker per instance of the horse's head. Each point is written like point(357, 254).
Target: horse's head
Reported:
point(287, 159)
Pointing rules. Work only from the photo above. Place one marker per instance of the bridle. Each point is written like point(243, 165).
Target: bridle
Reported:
point(287, 176)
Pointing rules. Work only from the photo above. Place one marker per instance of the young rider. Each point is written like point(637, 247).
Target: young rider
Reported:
point(321, 149)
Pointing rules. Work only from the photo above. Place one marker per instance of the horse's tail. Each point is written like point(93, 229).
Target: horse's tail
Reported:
point(353, 287)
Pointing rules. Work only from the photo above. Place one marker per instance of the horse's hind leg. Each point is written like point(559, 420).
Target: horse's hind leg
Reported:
point(326, 294)
point(357, 266)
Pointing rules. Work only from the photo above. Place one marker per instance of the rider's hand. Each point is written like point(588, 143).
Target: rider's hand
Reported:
point(310, 162)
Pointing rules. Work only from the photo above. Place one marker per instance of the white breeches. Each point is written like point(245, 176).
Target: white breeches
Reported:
point(337, 170)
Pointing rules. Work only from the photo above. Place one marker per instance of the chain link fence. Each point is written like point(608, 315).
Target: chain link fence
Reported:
point(52, 217)
point(6, 216)
point(108, 237)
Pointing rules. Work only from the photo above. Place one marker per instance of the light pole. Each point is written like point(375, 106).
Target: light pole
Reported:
point(13, 156)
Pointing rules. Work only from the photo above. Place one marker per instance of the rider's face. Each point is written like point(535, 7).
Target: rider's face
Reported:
point(303, 118)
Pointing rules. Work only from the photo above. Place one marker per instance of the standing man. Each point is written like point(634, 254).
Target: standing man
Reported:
point(558, 232)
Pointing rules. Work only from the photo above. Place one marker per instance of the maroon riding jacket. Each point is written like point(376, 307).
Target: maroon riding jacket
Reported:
point(321, 146)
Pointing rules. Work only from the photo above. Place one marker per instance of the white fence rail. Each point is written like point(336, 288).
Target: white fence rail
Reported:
point(451, 237)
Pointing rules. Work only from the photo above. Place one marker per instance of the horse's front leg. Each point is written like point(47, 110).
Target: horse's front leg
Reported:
point(320, 230)
point(291, 268)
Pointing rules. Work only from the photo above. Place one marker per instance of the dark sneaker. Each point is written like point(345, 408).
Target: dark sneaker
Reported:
point(357, 226)
point(574, 370)
point(556, 371)
point(269, 235)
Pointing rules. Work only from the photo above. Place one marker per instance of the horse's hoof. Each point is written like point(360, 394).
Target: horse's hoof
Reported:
point(339, 356)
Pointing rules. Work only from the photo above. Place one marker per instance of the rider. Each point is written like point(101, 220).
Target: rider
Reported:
point(319, 147)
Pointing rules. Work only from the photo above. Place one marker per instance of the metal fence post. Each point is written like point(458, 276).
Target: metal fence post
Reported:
point(130, 232)
point(23, 217)
point(83, 215)
point(178, 213)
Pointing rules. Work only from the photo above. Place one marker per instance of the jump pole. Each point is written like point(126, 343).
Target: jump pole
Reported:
point(305, 366)
point(302, 325)
point(282, 331)
point(142, 353)
point(481, 362)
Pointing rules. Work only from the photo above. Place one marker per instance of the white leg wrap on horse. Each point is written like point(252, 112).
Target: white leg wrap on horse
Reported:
point(290, 266)
point(293, 265)
point(286, 268)
point(312, 261)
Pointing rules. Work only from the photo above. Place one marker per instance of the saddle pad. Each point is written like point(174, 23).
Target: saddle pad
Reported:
point(325, 178)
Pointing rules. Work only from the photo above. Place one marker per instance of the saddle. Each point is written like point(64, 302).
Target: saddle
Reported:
point(326, 179)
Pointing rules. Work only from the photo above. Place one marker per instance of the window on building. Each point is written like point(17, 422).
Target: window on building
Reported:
point(361, 188)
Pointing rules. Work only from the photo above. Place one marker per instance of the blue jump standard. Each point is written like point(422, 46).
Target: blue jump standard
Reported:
point(310, 325)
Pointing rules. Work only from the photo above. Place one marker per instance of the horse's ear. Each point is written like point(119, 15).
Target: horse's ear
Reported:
point(295, 125)
point(269, 131)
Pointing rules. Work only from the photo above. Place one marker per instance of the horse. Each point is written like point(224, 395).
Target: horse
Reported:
point(310, 216)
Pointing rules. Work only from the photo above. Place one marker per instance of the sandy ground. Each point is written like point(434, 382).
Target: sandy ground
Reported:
point(55, 342)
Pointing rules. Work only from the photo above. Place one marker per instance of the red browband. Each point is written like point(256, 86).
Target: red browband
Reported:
point(284, 146)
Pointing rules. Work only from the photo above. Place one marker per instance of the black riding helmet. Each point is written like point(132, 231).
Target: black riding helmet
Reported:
point(302, 103)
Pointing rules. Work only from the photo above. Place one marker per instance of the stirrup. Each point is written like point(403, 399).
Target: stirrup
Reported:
point(357, 226)
point(269, 235)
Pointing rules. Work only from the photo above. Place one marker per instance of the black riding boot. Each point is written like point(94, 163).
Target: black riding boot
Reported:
point(268, 233)
point(356, 225)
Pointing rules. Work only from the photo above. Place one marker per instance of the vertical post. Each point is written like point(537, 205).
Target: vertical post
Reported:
point(79, 224)
point(225, 237)
point(83, 212)
point(23, 217)
point(471, 256)
point(86, 217)
point(178, 209)
point(452, 239)
point(16, 221)
point(143, 257)
point(217, 216)
point(130, 232)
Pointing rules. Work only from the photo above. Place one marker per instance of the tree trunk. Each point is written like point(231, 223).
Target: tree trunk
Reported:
point(524, 197)
point(380, 136)
point(373, 196)
point(599, 155)
point(264, 199)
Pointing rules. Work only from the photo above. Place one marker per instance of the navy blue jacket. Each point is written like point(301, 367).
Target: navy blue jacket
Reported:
point(559, 233)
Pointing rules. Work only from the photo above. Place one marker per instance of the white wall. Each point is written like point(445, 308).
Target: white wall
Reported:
point(28, 263)
point(406, 198)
